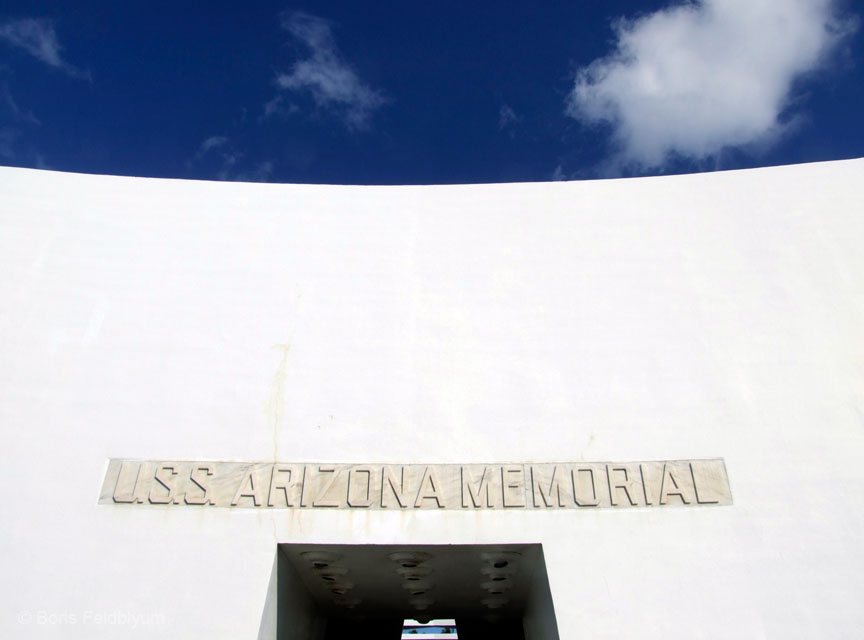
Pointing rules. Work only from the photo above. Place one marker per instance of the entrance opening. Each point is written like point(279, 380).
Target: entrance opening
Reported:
point(432, 630)
point(329, 592)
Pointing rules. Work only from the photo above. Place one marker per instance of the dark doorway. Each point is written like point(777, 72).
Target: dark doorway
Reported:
point(341, 591)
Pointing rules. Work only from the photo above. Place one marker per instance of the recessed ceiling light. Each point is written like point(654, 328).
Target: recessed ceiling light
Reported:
point(421, 603)
point(497, 586)
point(494, 602)
point(326, 557)
point(413, 572)
point(409, 559)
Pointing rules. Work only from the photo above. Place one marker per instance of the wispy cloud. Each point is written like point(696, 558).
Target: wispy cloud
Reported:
point(8, 136)
point(17, 113)
point(558, 174)
point(693, 79)
point(226, 155)
point(325, 75)
point(228, 161)
point(279, 106)
point(14, 146)
point(259, 173)
point(13, 139)
point(208, 144)
point(507, 117)
point(38, 38)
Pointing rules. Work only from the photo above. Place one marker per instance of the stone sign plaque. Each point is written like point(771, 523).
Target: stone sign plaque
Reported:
point(268, 485)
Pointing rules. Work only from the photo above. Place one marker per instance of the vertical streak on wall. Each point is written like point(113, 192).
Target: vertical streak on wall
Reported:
point(276, 402)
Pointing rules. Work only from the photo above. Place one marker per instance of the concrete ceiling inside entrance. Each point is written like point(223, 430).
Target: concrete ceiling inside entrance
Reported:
point(488, 582)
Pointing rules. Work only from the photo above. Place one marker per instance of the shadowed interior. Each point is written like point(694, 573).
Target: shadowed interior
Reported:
point(326, 591)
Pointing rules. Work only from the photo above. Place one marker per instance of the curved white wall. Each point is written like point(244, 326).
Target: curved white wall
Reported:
point(715, 315)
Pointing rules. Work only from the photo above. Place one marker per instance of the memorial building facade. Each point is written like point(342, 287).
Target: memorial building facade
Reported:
point(573, 410)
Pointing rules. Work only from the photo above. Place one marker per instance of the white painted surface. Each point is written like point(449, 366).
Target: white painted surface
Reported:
point(661, 318)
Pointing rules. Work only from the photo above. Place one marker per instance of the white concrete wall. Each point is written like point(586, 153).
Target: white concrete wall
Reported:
point(661, 318)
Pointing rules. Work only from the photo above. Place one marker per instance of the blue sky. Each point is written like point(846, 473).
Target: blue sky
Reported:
point(419, 93)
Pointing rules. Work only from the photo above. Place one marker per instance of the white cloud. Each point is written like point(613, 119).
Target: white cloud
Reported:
point(325, 75)
point(7, 142)
point(261, 173)
point(14, 146)
point(278, 106)
point(37, 37)
point(211, 143)
point(228, 161)
point(19, 114)
point(507, 117)
point(700, 76)
point(220, 147)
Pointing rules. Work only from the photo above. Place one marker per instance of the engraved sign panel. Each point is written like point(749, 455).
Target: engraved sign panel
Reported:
point(530, 486)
